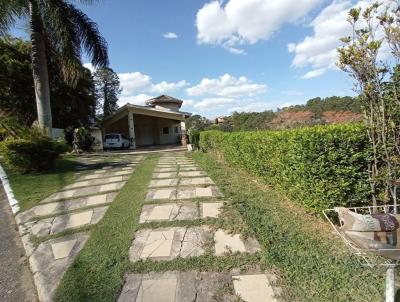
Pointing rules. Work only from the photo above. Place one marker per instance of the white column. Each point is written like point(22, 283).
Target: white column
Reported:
point(184, 140)
point(131, 123)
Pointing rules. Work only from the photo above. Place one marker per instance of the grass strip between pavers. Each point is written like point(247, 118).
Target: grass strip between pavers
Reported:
point(97, 272)
point(311, 263)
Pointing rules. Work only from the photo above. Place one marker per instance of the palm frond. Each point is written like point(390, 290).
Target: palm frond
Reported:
point(92, 41)
point(10, 12)
point(83, 32)
point(62, 38)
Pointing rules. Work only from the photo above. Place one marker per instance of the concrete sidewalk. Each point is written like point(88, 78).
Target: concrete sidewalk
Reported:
point(16, 282)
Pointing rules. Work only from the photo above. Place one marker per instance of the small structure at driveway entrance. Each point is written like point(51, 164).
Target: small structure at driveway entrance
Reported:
point(158, 123)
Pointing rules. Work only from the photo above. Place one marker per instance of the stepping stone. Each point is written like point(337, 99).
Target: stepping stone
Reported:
point(196, 181)
point(157, 194)
point(174, 287)
point(104, 175)
point(61, 223)
point(168, 212)
point(46, 209)
point(211, 209)
point(165, 289)
point(50, 260)
point(192, 173)
point(167, 169)
point(189, 168)
point(253, 288)
point(167, 182)
point(227, 243)
point(168, 243)
point(64, 206)
point(189, 193)
point(94, 182)
point(164, 175)
point(62, 249)
point(72, 221)
point(85, 191)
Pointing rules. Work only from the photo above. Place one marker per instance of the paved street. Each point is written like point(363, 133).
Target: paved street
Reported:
point(15, 277)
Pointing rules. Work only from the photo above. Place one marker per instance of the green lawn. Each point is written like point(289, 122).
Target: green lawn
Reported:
point(97, 272)
point(312, 264)
point(29, 189)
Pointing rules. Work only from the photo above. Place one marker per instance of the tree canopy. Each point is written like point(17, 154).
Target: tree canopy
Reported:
point(71, 106)
point(107, 89)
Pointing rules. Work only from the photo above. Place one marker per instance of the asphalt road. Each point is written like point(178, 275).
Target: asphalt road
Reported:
point(16, 282)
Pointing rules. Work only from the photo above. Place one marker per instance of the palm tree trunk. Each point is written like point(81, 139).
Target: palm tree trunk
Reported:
point(39, 68)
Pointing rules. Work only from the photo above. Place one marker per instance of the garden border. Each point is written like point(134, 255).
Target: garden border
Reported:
point(13, 202)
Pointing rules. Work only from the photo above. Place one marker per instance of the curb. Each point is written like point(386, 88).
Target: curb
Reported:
point(9, 192)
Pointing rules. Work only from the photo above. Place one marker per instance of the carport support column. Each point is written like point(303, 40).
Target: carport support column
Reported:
point(131, 123)
point(184, 140)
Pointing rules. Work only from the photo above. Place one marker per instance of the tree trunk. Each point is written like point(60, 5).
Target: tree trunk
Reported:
point(39, 68)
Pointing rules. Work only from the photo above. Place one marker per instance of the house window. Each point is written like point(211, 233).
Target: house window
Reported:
point(176, 129)
point(165, 130)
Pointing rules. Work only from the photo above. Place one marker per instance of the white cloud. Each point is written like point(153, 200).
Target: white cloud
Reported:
point(137, 82)
point(314, 73)
point(318, 50)
point(226, 86)
point(170, 35)
point(241, 22)
point(165, 86)
point(133, 82)
point(213, 103)
point(254, 106)
point(138, 99)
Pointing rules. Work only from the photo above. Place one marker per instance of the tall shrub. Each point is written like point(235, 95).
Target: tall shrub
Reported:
point(375, 30)
point(319, 167)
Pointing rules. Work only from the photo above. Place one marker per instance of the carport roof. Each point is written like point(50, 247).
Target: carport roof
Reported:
point(146, 110)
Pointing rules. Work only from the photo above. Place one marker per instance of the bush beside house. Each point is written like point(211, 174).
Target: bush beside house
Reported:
point(319, 167)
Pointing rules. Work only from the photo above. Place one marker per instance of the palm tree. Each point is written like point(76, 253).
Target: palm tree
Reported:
point(59, 29)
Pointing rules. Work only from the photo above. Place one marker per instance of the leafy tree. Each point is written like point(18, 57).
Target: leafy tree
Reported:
point(245, 121)
point(197, 122)
point(72, 106)
point(17, 94)
point(58, 28)
point(380, 101)
point(107, 89)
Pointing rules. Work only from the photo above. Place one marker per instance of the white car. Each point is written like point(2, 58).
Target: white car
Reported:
point(115, 141)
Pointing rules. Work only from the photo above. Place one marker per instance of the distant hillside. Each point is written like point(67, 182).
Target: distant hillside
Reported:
point(316, 111)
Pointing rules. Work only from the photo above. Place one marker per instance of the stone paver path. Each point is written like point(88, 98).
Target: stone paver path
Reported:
point(78, 205)
point(180, 190)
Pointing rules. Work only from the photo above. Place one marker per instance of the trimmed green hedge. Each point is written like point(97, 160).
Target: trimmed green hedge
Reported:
point(34, 154)
point(320, 167)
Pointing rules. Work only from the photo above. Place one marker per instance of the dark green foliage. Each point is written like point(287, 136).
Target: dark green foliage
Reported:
point(17, 95)
point(245, 121)
point(194, 137)
point(319, 167)
point(334, 103)
point(72, 106)
point(197, 122)
point(312, 265)
point(83, 140)
point(107, 89)
point(30, 155)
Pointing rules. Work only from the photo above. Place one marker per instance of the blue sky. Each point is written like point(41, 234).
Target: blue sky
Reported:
point(220, 56)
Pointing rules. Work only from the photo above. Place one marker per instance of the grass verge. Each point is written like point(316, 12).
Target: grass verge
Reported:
point(29, 189)
point(312, 264)
point(97, 272)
